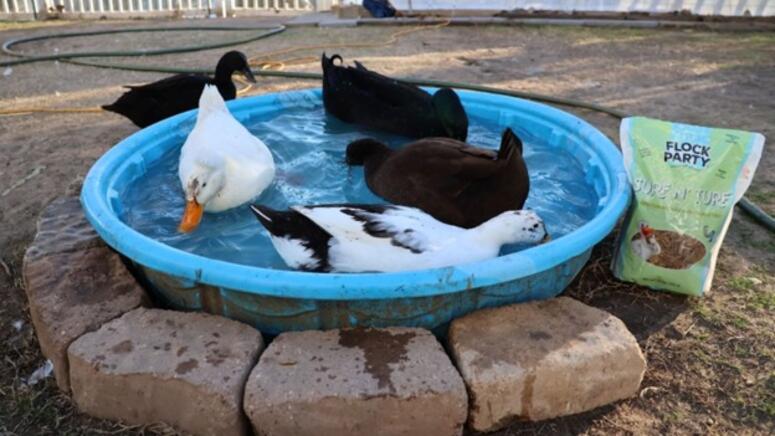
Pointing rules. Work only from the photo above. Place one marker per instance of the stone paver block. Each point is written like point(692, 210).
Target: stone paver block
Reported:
point(184, 369)
point(543, 359)
point(395, 381)
point(62, 228)
point(74, 282)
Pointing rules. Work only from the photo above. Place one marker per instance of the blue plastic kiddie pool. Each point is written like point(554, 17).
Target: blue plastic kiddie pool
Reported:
point(276, 300)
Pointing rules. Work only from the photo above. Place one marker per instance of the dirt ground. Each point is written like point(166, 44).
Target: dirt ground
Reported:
point(711, 361)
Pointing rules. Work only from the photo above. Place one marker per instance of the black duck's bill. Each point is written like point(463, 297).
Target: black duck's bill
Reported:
point(248, 74)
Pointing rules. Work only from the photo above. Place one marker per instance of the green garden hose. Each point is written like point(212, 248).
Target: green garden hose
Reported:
point(75, 58)
point(25, 59)
point(757, 213)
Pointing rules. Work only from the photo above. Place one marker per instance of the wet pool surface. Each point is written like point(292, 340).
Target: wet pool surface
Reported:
point(308, 148)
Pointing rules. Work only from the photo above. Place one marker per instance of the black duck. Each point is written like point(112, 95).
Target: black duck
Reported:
point(153, 102)
point(359, 96)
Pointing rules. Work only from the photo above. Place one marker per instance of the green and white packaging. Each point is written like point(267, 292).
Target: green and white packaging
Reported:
point(686, 180)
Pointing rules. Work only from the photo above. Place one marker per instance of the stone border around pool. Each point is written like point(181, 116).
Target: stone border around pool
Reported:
point(123, 360)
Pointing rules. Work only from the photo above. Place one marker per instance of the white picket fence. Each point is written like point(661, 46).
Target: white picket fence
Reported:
point(16, 7)
point(13, 9)
point(756, 8)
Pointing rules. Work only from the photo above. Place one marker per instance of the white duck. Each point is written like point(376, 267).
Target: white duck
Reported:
point(386, 238)
point(222, 165)
point(646, 245)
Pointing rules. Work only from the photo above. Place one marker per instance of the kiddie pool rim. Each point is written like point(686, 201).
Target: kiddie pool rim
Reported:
point(318, 286)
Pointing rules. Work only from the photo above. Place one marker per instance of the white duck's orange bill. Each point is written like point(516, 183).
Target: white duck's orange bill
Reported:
point(191, 216)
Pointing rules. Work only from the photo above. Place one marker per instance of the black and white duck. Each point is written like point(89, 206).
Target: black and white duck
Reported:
point(153, 102)
point(359, 96)
point(387, 238)
point(454, 182)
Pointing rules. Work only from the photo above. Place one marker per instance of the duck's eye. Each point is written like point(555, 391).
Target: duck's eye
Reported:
point(204, 184)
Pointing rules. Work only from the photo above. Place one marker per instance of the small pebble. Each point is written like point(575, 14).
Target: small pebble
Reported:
point(18, 324)
point(7, 72)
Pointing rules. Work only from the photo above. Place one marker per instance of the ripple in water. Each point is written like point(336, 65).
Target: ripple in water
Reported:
point(308, 147)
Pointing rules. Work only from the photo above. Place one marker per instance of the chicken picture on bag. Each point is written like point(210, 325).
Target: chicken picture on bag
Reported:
point(645, 244)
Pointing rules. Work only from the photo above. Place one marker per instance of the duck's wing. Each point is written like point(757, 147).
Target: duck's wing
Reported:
point(142, 109)
point(387, 90)
point(300, 242)
point(402, 227)
point(447, 158)
point(436, 177)
point(152, 102)
point(171, 83)
point(379, 82)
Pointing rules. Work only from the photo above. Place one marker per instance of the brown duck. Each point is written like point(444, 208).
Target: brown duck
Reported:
point(454, 182)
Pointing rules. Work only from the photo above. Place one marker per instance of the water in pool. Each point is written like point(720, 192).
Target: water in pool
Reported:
point(308, 148)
